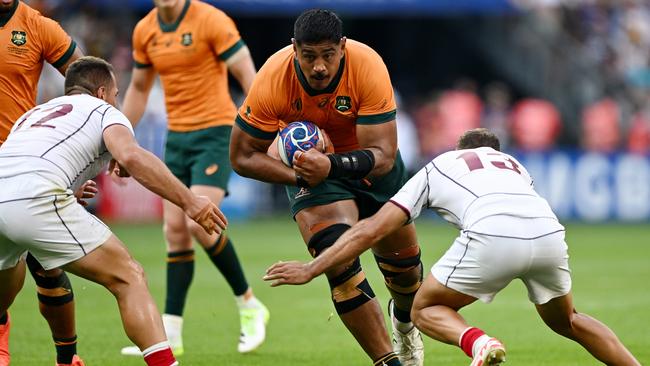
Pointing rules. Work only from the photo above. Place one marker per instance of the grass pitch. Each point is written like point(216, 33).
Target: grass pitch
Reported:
point(611, 281)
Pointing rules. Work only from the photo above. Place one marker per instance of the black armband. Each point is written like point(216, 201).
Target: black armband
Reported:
point(354, 164)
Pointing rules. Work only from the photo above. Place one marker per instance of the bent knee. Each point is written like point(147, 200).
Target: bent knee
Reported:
point(177, 234)
point(129, 276)
point(349, 287)
point(562, 326)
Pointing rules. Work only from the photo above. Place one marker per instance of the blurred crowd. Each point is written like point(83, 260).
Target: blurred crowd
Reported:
point(613, 35)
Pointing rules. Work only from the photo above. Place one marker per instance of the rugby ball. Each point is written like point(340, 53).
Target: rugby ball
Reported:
point(297, 136)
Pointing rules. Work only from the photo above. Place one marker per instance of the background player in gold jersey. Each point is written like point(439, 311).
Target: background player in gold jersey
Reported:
point(192, 46)
point(343, 86)
point(27, 39)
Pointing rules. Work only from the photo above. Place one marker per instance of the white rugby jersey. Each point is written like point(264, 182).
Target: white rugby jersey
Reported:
point(61, 141)
point(467, 186)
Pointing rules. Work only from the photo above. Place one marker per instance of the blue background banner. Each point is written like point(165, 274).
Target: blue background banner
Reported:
point(592, 187)
point(579, 186)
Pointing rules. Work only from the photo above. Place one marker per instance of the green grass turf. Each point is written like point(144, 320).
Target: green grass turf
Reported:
point(611, 272)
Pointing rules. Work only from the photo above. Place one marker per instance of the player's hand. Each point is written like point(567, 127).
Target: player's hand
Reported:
point(288, 273)
point(115, 168)
point(312, 165)
point(207, 215)
point(86, 191)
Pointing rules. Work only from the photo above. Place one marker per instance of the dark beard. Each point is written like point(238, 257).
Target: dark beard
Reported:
point(4, 9)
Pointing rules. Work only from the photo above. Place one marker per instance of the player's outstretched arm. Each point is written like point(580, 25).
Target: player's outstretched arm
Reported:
point(152, 173)
point(137, 94)
point(241, 66)
point(351, 244)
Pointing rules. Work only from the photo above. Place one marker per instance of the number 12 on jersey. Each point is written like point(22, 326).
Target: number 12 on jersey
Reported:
point(55, 112)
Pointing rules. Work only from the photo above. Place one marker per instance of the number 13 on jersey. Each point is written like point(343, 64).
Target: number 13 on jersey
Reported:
point(501, 161)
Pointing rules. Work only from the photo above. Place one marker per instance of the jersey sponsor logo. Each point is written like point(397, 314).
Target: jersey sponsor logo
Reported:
point(343, 103)
point(302, 193)
point(211, 169)
point(186, 39)
point(248, 112)
point(18, 38)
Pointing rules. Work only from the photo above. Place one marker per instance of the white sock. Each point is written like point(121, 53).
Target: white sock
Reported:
point(242, 303)
point(156, 347)
point(173, 328)
point(401, 327)
point(479, 343)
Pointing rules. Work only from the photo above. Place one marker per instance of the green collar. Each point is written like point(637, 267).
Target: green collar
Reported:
point(4, 18)
point(171, 27)
point(313, 92)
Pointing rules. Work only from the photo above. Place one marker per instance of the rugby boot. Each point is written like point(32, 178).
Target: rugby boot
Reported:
point(408, 346)
point(253, 321)
point(491, 354)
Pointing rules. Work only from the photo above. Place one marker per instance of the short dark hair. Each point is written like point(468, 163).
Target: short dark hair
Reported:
point(316, 26)
point(478, 137)
point(87, 74)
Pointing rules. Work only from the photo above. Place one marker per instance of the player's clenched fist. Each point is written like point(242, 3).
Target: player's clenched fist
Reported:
point(207, 215)
point(312, 165)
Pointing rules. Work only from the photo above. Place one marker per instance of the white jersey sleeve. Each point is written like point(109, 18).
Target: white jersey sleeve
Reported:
point(112, 117)
point(414, 195)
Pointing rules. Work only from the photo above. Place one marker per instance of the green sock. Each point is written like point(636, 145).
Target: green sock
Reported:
point(224, 257)
point(66, 348)
point(180, 271)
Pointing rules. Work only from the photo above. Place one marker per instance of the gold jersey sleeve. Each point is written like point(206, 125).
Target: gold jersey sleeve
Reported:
point(268, 101)
point(28, 39)
point(373, 86)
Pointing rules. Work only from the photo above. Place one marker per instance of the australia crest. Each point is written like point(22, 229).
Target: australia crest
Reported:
point(186, 39)
point(343, 103)
point(18, 38)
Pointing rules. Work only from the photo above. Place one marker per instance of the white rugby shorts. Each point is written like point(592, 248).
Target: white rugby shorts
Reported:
point(480, 262)
point(53, 227)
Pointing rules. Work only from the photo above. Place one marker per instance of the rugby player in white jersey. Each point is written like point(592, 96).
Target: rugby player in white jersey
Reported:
point(507, 231)
point(50, 153)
